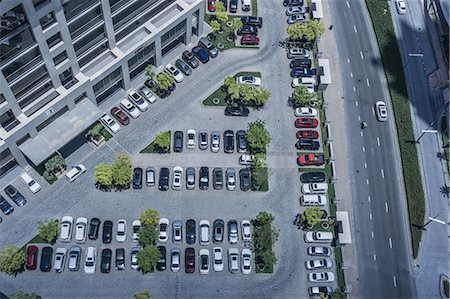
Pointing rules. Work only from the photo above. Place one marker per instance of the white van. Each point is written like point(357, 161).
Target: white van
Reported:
point(315, 188)
point(319, 237)
point(75, 172)
point(246, 5)
point(31, 184)
point(245, 160)
point(313, 200)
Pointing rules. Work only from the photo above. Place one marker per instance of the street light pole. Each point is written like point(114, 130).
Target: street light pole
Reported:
point(425, 131)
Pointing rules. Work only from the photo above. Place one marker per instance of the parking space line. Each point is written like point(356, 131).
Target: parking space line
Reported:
point(382, 173)
point(345, 14)
point(390, 243)
point(356, 103)
point(362, 55)
point(373, 111)
point(386, 206)
point(359, 118)
point(362, 133)
point(378, 141)
point(354, 28)
point(348, 4)
point(367, 81)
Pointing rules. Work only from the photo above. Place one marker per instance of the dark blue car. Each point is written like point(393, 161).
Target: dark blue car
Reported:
point(5, 206)
point(201, 54)
point(301, 72)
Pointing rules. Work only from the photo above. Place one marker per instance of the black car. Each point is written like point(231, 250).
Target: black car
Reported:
point(5, 206)
point(218, 230)
point(201, 54)
point(233, 6)
point(248, 30)
point(120, 258)
point(190, 231)
point(313, 177)
point(225, 4)
point(183, 66)
point(178, 141)
point(293, 2)
point(105, 264)
point(244, 175)
point(163, 179)
point(241, 141)
point(217, 178)
point(137, 178)
point(190, 59)
point(236, 111)
point(107, 232)
point(300, 63)
point(46, 259)
point(15, 195)
point(161, 264)
point(253, 21)
point(228, 141)
point(307, 144)
point(203, 182)
point(94, 227)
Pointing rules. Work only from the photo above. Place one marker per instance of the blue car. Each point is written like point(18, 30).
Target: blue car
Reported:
point(5, 206)
point(301, 72)
point(201, 54)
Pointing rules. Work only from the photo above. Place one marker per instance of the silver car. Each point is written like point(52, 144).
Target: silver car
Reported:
point(202, 140)
point(74, 258)
point(190, 178)
point(215, 142)
point(177, 231)
point(231, 179)
point(297, 18)
point(147, 94)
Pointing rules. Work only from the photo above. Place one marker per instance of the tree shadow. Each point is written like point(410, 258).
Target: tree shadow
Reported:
point(441, 156)
point(445, 190)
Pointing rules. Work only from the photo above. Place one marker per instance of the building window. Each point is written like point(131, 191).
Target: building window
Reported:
point(67, 78)
point(54, 40)
point(38, 3)
point(47, 20)
point(173, 33)
point(108, 85)
point(52, 118)
point(80, 98)
point(2, 99)
point(23, 139)
point(8, 120)
point(58, 59)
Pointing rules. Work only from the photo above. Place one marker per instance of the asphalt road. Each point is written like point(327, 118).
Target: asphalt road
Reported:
point(383, 250)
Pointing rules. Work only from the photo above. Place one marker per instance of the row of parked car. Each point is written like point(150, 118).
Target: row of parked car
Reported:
point(246, 5)
point(203, 142)
point(249, 31)
point(220, 178)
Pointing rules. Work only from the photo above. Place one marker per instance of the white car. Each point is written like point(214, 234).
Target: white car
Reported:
point(136, 227)
point(190, 143)
point(75, 172)
point(321, 277)
point(218, 259)
point(246, 231)
point(80, 230)
point(147, 94)
point(233, 260)
point(319, 264)
point(31, 184)
point(60, 258)
point(177, 75)
point(175, 260)
point(297, 18)
point(249, 80)
point(163, 226)
point(296, 82)
point(110, 123)
point(138, 100)
point(91, 256)
point(130, 108)
point(134, 260)
point(401, 6)
point(177, 178)
point(66, 229)
point(215, 142)
point(121, 230)
point(204, 232)
point(246, 261)
point(381, 111)
point(305, 112)
point(295, 10)
point(319, 251)
point(204, 261)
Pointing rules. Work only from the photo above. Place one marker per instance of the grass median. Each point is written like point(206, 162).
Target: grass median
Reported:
point(392, 63)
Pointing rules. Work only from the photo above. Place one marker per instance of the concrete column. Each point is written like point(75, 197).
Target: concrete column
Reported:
point(158, 51)
point(18, 155)
point(109, 27)
point(188, 29)
point(125, 74)
point(9, 97)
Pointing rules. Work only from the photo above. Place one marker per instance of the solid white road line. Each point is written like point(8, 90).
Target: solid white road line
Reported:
point(354, 88)
point(395, 281)
point(364, 149)
point(368, 198)
point(365, 165)
point(354, 28)
point(367, 81)
point(348, 60)
point(367, 181)
point(374, 257)
point(370, 216)
point(362, 55)
point(382, 173)
point(386, 206)
point(348, 4)
point(351, 75)
point(373, 236)
point(390, 243)
point(356, 103)
point(378, 141)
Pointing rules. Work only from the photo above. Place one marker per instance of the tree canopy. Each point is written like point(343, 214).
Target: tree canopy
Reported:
point(148, 258)
point(150, 72)
point(312, 215)
point(12, 260)
point(162, 141)
point(258, 136)
point(148, 235)
point(301, 96)
point(145, 294)
point(149, 217)
point(164, 80)
point(215, 26)
point(48, 230)
point(22, 295)
point(103, 174)
point(311, 30)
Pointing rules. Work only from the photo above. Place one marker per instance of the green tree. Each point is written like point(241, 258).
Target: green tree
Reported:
point(301, 96)
point(48, 230)
point(268, 257)
point(22, 295)
point(218, 5)
point(262, 97)
point(162, 141)
point(145, 294)
point(259, 159)
point(12, 260)
point(312, 215)
point(103, 174)
point(55, 164)
point(221, 14)
point(295, 31)
point(314, 29)
point(257, 136)
point(149, 217)
point(95, 130)
point(150, 72)
point(164, 80)
point(215, 26)
point(148, 234)
point(122, 170)
point(233, 89)
point(264, 218)
point(237, 24)
point(148, 258)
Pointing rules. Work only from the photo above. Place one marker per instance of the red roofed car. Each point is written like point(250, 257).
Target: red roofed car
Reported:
point(308, 134)
point(250, 40)
point(311, 160)
point(306, 122)
point(32, 254)
point(120, 116)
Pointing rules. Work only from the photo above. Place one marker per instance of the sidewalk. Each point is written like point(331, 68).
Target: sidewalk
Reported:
point(333, 96)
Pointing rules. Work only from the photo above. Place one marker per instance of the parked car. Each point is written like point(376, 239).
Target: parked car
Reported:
point(225, 4)
point(107, 232)
point(5, 206)
point(247, 160)
point(300, 63)
point(80, 230)
point(163, 227)
point(65, 234)
point(300, 72)
point(321, 277)
point(136, 227)
point(319, 264)
point(218, 231)
point(292, 10)
point(233, 6)
point(249, 40)
point(305, 112)
point(308, 134)
point(91, 257)
point(150, 176)
point(134, 261)
point(248, 30)
point(293, 2)
point(317, 291)
point(162, 262)
point(175, 260)
point(46, 259)
point(306, 122)
point(233, 260)
point(204, 261)
point(32, 255)
point(381, 111)
point(217, 259)
point(177, 178)
point(178, 141)
point(313, 177)
point(246, 230)
point(203, 182)
point(120, 258)
point(228, 141)
point(307, 144)
point(130, 108)
point(190, 59)
point(137, 178)
point(147, 94)
point(138, 100)
point(203, 140)
point(319, 251)
point(204, 232)
point(105, 261)
point(183, 67)
point(401, 6)
point(75, 172)
point(74, 258)
point(244, 175)
point(163, 179)
point(190, 178)
point(110, 123)
point(190, 138)
point(217, 178)
point(121, 234)
point(201, 54)
point(231, 179)
point(208, 46)
point(190, 231)
point(253, 21)
point(310, 87)
point(232, 232)
point(298, 53)
point(211, 7)
point(215, 142)
point(236, 111)
point(246, 259)
point(177, 231)
point(297, 18)
point(175, 73)
point(249, 80)
point(311, 160)
point(94, 227)
point(120, 116)
point(31, 183)
point(241, 141)
point(189, 260)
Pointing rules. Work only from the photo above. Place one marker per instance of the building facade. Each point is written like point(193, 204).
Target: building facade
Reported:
point(61, 59)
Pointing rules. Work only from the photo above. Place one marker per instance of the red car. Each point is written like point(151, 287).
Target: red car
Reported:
point(120, 116)
point(306, 122)
point(32, 255)
point(311, 160)
point(308, 134)
point(211, 6)
point(249, 40)
point(189, 259)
